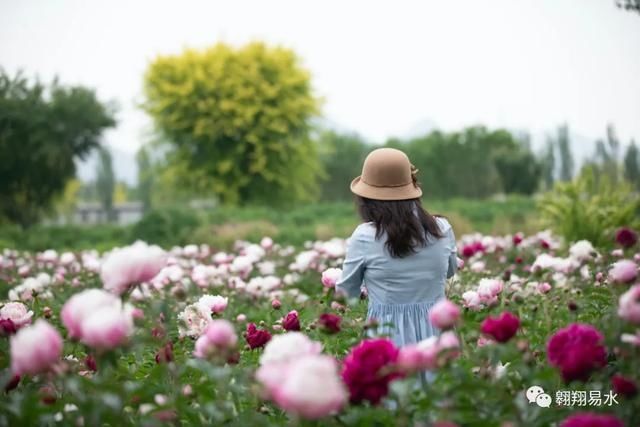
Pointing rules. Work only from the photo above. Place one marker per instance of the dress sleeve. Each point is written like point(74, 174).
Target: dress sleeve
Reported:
point(453, 254)
point(353, 266)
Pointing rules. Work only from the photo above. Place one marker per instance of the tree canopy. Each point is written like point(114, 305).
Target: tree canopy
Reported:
point(237, 120)
point(43, 130)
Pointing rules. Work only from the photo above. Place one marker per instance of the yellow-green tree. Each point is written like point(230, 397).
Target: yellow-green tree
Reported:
point(238, 121)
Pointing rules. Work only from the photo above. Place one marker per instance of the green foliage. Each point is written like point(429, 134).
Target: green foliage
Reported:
point(473, 163)
point(237, 121)
point(105, 181)
point(145, 178)
point(342, 159)
point(590, 207)
point(42, 131)
point(166, 227)
point(632, 165)
point(68, 237)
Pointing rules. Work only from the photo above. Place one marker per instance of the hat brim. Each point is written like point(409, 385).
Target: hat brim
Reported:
point(403, 192)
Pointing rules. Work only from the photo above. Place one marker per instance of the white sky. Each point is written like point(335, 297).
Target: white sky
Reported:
point(384, 68)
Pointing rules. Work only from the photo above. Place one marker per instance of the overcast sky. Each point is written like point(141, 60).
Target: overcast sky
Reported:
point(383, 68)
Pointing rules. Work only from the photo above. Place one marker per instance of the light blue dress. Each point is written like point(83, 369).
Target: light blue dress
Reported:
point(401, 290)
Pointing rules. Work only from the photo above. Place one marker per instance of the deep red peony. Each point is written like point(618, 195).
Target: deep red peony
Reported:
point(624, 386)
point(501, 328)
point(255, 337)
point(626, 237)
point(591, 419)
point(577, 351)
point(7, 327)
point(291, 322)
point(368, 369)
point(330, 322)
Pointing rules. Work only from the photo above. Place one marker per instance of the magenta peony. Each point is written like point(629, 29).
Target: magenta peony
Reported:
point(35, 348)
point(255, 337)
point(291, 322)
point(624, 271)
point(501, 328)
point(629, 305)
point(307, 386)
point(330, 323)
point(444, 314)
point(133, 264)
point(577, 351)
point(591, 419)
point(218, 339)
point(624, 386)
point(369, 368)
point(626, 237)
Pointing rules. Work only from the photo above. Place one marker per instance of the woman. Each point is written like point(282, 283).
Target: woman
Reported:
point(401, 254)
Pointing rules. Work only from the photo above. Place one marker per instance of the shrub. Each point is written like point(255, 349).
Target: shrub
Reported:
point(590, 208)
point(166, 227)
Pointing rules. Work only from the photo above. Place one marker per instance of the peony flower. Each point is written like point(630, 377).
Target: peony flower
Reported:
point(291, 322)
point(471, 300)
point(543, 287)
point(489, 289)
point(131, 265)
point(17, 313)
point(308, 387)
point(629, 305)
point(286, 347)
point(591, 419)
point(444, 314)
point(501, 328)
point(330, 277)
point(330, 322)
point(266, 243)
point(255, 337)
point(624, 386)
point(214, 303)
point(623, 271)
point(577, 350)
point(218, 338)
point(83, 305)
point(369, 368)
point(626, 237)
point(108, 327)
point(582, 251)
point(35, 348)
point(276, 304)
point(194, 320)
point(7, 327)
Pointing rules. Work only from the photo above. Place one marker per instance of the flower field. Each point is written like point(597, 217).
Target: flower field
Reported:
point(535, 332)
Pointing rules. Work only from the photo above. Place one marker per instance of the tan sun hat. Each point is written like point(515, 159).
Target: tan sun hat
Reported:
point(387, 174)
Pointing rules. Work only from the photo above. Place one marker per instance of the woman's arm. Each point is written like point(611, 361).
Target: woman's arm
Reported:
point(453, 254)
point(353, 266)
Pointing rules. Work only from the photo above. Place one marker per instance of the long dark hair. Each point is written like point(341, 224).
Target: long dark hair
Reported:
point(407, 224)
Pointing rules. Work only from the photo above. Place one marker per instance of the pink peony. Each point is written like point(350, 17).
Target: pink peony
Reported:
point(255, 337)
point(291, 322)
point(330, 322)
point(108, 327)
point(626, 237)
point(369, 368)
point(501, 328)
point(591, 419)
point(81, 306)
point(218, 338)
point(308, 386)
point(543, 287)
point(419, 357)
point(131, 265)
point(444, 314)
point(577, 350)
point(471, 300)
point(287, 347)
point(276, 304)
point(330, 277)
point(629, 305)
point(35, 348)
point(214, 303)
point(623, 271)
point(17, 312)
